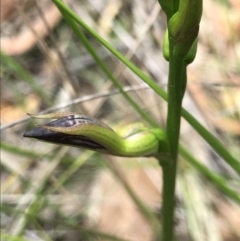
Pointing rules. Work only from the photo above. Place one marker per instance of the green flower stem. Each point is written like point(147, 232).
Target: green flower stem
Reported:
point(176, 87)
point(183, 29)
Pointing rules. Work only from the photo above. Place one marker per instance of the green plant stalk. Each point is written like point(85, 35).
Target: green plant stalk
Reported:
point(207, 136)
point(183, 29)
point(176, 87)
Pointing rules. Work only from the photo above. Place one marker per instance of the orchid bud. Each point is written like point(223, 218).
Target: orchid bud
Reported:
point(183, 26)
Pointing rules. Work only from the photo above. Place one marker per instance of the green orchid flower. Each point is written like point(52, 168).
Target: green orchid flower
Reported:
point(82, 131)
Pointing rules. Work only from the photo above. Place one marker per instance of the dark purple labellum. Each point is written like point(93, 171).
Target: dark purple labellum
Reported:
point(43, 134)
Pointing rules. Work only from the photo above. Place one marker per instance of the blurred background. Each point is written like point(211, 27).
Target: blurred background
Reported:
point(58, 193)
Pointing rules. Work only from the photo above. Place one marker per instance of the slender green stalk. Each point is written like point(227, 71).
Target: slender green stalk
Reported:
point(173, 127)
point(183, 26)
